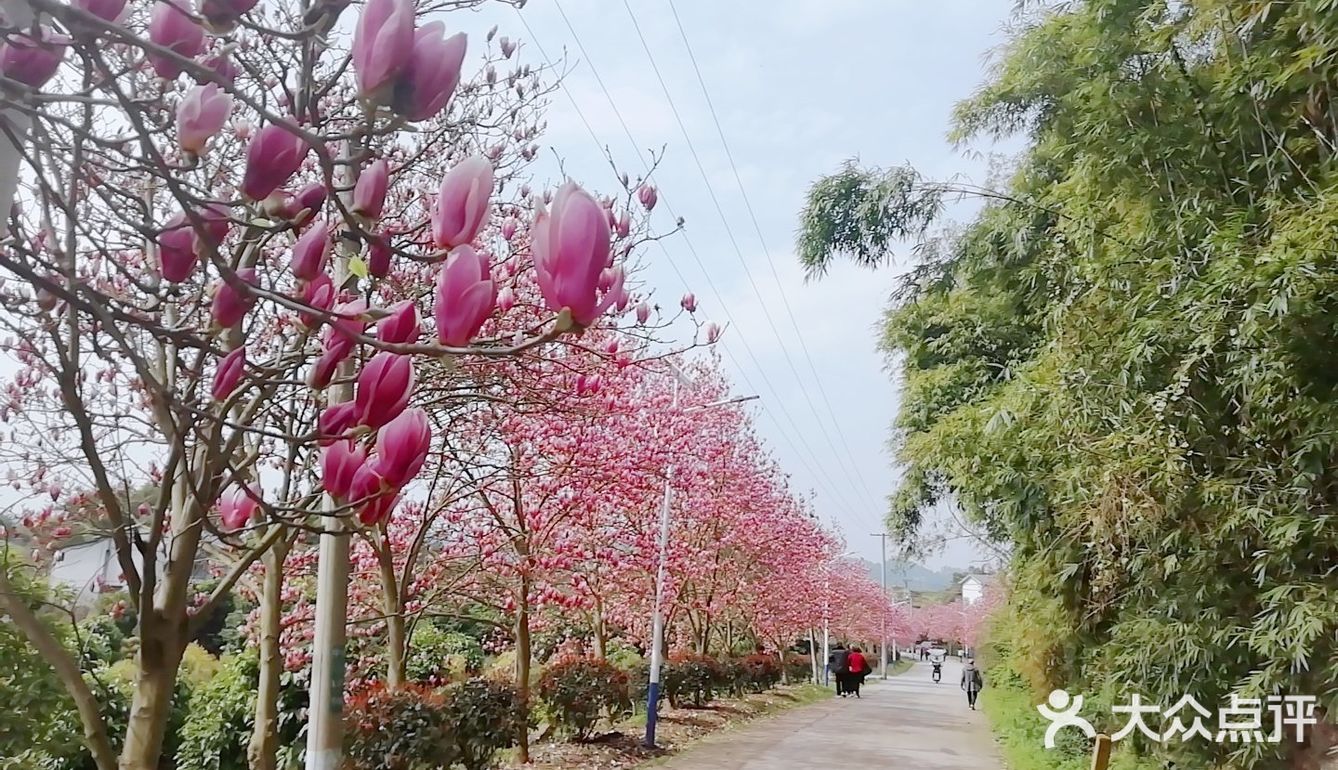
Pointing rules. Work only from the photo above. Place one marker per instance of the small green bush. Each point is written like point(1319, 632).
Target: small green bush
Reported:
point(578, 691)
point(221, 716)
point(404, 729)
point(691, 679)
point(439, 656)
point(483, 717)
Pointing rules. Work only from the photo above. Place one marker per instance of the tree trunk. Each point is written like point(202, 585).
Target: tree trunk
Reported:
point(159, 658)
point(262, 753)
point(601, 642)
point(392, 608)
point(523, 653)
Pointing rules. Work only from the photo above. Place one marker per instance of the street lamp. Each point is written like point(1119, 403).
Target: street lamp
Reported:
point(826, 618)
point(657, 623)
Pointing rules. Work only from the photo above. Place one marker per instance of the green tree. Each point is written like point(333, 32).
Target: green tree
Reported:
point(1127, 365)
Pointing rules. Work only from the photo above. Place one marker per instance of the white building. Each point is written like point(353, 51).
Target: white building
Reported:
point(972, 589)
point(87, 569)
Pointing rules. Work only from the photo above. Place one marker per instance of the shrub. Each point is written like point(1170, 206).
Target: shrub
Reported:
point(404, 729)
point(437, 655)
point(578, 691)
point(692, 679)
point(221, 716)
point(483, 717)
point(734, 677)
point(798, 668)
point(638, 683)
point(762, 671)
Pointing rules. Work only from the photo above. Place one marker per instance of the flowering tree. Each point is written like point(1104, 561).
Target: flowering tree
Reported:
point(214, 206)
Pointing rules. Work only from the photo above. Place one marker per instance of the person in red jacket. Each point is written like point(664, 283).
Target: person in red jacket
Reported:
point(858, 668)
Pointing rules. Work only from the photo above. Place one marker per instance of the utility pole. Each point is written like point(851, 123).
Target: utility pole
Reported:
point(14, 124)
point(882, 648)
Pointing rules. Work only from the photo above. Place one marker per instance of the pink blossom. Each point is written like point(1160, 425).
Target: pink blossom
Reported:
point(509, 228)
point(310, 252)
point(335, 420)
point(107, 10)
point(379, 255)
point(273, 155)
point(506, 299)
point(402, 446)
point(340, 461)
point(642, 313)
point(571, 254)
point(462, 203)
point(464, 298)
point(382, 44)
point(171, 27)
point(319, 294)
point(31, 60)
point(401, 325)
point(236, 507)
point(689, 302)
point(647, 196)
point(229, 374)
point(433, 72)
point(200, 115)
point(712, 333)
point(369, 194)
point(177, 255)
point(384, 386)
point(221, 65)
point(232, 300)
point(378, 510)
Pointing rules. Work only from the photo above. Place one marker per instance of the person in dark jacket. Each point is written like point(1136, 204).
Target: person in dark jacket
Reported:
point(972, 682)
point(838, 664)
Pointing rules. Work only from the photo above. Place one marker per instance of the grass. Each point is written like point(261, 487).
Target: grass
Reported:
point(900, 667)
point(1020, 730)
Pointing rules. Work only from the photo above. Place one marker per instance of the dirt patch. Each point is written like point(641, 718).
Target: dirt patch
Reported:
point(620, 746)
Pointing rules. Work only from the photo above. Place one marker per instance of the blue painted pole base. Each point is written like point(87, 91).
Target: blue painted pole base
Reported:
point(652, 713)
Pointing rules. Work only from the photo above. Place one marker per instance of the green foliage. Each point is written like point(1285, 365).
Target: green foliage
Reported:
point(484, 717)
point(437, 655)
point(762, 671)
point(577, 692)
point(403, 729)
point(1126, 366)
point(692, 680)
point(222, 713)
point(798, 668)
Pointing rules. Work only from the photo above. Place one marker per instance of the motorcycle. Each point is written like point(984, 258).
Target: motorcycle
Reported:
point(938, 670)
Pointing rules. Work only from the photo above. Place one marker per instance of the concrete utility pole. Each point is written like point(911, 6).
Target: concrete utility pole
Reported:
point(14, 124)
point(882, 647)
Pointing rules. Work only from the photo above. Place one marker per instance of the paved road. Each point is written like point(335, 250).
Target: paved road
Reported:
point(906, 722)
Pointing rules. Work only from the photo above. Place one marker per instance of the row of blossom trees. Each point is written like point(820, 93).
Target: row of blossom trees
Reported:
point(275, 271)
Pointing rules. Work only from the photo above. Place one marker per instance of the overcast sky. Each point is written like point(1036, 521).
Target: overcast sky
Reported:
point(798, 86)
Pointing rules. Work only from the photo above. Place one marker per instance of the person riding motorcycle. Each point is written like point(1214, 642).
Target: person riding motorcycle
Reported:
point(937, 663)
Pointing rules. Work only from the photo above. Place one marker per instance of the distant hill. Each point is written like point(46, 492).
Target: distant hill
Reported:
point(916, 577)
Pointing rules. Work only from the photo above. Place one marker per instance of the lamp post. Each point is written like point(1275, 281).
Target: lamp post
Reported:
point(826, 619)
point(882, 647)
point(657, 621)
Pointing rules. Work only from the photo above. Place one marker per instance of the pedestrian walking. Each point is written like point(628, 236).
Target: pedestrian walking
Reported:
point(972, 682)
point(838, 663)
point(858, 668)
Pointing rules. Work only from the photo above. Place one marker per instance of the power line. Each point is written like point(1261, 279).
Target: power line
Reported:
point(820, 477)
point(757, 228)
point(730, 233)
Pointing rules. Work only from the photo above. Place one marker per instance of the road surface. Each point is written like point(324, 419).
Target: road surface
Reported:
point(905, 722)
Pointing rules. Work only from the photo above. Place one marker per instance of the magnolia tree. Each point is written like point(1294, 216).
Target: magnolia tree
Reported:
point(230, 220)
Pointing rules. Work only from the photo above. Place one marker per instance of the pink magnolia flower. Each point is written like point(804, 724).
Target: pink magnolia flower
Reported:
point(383, 43)
point(232, 300)
point(31, 60)
point(107, 10)
point(378, 510)
point(402, 446)
point(319, 294)
point(401, 326)
point(384, 386)
point(462, 203)
point(340, 461)
point(712, 333)
point(464, 298)
point(379, 255)
point(647, 196)
point(335, 420)
point(642, 313)
point(432, 74)
point(689, 302)
point(221, 65)
point(571, 255)
point(369, 194)
point(177, 254)
point(310, 252)
point(367, 484)
point(509, 228)
point(229, 374)
point(223, 14)
point(200, 115)
point(338, 340)
point(506, 299)
point(172, 28)
point(236, 507)
point(273, 155)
